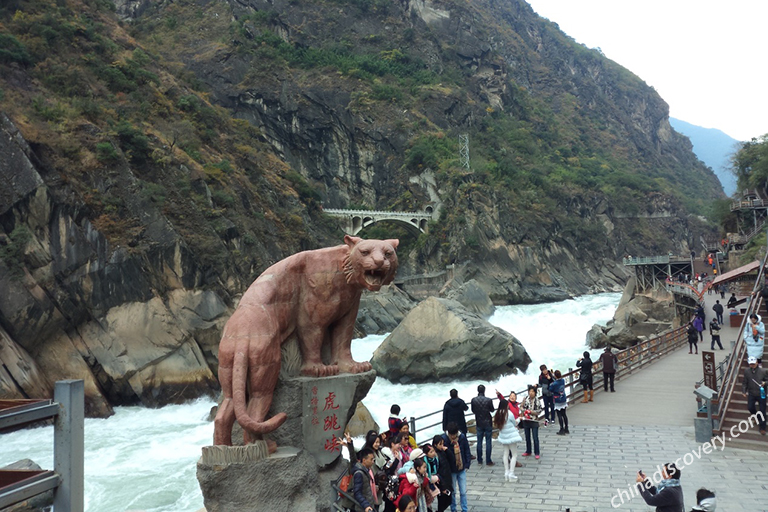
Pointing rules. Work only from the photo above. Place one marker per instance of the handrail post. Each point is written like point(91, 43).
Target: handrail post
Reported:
point(413, 426)
point(68, 445)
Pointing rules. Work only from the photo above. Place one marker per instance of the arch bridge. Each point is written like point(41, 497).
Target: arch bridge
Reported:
point(356, 220)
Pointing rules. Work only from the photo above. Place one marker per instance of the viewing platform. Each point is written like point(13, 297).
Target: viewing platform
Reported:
point(646, 422)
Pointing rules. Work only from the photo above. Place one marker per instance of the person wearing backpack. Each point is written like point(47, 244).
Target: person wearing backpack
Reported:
point(545, 379)
point(714, 332)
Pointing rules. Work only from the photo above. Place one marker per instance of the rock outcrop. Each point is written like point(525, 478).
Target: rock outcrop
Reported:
point(637, 317)
point(473, 298)
point(287, 480)
point(361, 422)
point(308, 455)
point(382, 311)
point(74, 307)
point(440, 340)
point(124, 249)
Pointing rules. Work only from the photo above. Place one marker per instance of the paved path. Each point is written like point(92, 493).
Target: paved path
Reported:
point(585, 470)
point(648, 421)
point(659, 394)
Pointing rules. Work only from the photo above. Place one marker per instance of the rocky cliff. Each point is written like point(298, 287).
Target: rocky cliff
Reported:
point(156, 157)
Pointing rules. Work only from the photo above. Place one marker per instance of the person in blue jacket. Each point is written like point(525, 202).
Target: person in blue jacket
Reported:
point(561, 402)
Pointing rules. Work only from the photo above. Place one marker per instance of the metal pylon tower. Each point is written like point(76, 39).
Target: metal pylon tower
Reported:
point(464, 151)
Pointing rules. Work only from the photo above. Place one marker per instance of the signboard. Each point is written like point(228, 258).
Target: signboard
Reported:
point(710, 375)
point(327, 402)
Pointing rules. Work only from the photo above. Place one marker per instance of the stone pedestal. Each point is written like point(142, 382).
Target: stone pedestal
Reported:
point(288, 480)
point(297, 477)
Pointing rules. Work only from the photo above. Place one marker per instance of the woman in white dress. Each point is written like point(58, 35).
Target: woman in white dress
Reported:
point(506, 422)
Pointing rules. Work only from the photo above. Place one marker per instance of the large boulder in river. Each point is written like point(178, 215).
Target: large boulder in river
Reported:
point(596, 337)
point(637, 317)
point(473, 297)
point(440, 340)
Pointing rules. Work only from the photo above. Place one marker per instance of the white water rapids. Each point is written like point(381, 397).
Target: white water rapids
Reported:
point(144, 459)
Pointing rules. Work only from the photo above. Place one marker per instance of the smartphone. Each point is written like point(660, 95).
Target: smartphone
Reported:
point(640, 472)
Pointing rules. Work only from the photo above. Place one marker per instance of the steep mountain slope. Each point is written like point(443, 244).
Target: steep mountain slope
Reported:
point(570, 153)
point(156, 156)
point(132, 212)
point(714, 147)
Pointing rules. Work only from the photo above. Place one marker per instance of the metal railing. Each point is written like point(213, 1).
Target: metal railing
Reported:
point(748, 204)
point(646, 260)
point(379, 213)
point(630, 360)
point(739, 351)
point(66, 480)
point(749, 235)
point(686, 289)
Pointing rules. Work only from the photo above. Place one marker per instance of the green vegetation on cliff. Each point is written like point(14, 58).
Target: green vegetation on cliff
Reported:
point(135, 139)
point(236, 122)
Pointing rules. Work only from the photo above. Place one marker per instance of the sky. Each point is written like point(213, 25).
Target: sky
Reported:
point(706, 58)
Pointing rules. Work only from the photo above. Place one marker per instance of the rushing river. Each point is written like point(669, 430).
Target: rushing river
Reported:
point(144, 459)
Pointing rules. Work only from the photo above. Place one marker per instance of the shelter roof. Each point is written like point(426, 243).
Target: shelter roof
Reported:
point(737, 272)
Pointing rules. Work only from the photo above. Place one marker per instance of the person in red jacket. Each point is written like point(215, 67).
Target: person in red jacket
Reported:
point(414, 483)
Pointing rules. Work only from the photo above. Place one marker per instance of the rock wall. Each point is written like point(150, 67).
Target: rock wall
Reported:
point(132, 326)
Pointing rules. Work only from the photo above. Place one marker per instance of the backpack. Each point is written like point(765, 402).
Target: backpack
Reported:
point(345, 483)
point(392, 488)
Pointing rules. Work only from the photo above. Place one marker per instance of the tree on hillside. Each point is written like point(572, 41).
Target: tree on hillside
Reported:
point(750, 163)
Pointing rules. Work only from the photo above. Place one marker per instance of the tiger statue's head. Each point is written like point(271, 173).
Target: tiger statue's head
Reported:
point(370, 264)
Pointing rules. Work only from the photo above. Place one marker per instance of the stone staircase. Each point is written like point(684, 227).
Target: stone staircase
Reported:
point(737, 404)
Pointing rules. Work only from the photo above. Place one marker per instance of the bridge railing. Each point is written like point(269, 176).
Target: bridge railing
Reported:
point(685, 289)
point(631, 360)
point(332, 211)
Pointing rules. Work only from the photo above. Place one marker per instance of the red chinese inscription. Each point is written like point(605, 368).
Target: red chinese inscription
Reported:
point(331, 423)
point(329, 401)
point(333, 444)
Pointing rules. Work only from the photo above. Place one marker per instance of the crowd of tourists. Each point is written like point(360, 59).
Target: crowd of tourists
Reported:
point(391, 472)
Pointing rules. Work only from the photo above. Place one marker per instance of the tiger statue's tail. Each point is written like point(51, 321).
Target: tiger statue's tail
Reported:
point(262, 395)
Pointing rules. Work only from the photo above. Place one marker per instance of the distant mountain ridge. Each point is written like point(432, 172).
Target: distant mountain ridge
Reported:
point(714, 148)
